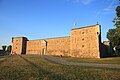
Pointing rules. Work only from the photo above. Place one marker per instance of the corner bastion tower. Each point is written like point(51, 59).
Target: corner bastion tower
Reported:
point(83, 42)
point(19, 45)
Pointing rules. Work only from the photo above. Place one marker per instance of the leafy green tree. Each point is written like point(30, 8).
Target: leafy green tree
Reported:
point(114, 34)
point(118, 11)
point(9, 48)
point(111, 35)
point(117, 24)
point(4, 47)
point(116, 21)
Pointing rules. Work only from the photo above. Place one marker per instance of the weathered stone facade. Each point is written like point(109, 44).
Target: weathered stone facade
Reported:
point(51, 46)
point(19, 45)
point(83, 42)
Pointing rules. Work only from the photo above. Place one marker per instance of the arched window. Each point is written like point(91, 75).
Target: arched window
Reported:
point(83, 39)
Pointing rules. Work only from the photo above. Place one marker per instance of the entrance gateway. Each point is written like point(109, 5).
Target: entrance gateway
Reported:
point(43, 51)
point(43, 47)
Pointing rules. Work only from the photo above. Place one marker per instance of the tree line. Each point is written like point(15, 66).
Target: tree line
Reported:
point(7, 48)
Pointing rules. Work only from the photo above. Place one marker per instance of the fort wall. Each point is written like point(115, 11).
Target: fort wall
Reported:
point(33, 47)
point(58, 46)
point(109, 48)
point(52, 46)
point(83, 42)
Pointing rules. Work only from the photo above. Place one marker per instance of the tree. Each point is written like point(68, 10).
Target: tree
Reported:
point(116, 21)
point(4, 47)
point(118, 11)
point(9, 48)
point(113, 35)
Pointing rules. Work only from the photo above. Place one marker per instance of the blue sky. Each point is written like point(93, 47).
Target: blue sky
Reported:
point(38, 19)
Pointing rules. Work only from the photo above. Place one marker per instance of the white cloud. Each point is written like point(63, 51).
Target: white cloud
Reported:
point(109, 9)
point(85, 2)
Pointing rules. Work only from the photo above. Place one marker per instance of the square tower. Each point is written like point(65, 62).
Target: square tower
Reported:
point(19, 45)
point(85, 42)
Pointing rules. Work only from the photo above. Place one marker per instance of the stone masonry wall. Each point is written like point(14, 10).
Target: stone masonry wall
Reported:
point(85, 42)
point(33, 47)
point(53, 46)
point(58, 46)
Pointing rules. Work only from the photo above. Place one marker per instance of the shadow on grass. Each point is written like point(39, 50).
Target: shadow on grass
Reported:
point(44, 73)
point(6, 57)
point(3, 60)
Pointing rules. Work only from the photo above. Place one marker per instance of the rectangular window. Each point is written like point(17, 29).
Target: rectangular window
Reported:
point(83, 46)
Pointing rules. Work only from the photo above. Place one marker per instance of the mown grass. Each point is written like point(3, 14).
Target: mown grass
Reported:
point(110, 60)
point(36, 68)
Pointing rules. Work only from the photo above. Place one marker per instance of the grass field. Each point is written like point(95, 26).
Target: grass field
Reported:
point(111, 60)
point(36, 68)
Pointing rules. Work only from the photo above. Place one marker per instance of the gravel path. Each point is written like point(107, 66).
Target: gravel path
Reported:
point(64, 62)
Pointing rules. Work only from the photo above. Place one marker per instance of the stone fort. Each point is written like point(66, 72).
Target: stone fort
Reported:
point(84, 42)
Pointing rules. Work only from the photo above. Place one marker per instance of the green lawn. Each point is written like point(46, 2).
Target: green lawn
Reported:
point(36, 68)
point(111, 60)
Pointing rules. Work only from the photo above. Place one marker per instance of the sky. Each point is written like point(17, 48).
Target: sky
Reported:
point(39, 19)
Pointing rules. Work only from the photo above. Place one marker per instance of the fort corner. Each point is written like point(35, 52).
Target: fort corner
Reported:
point(85, 42)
